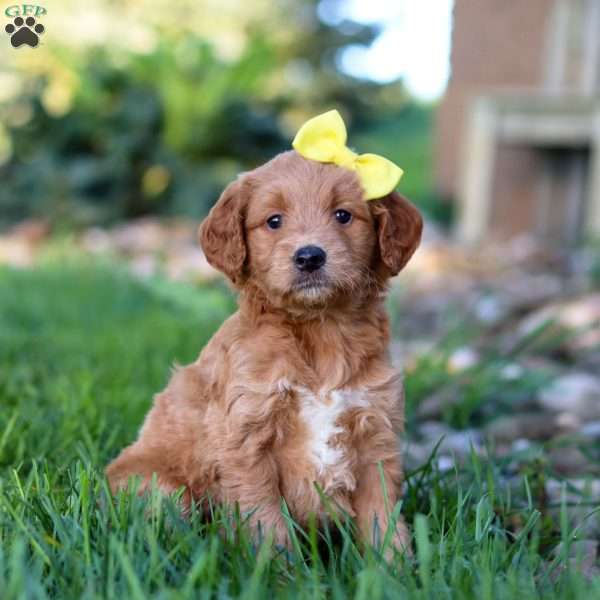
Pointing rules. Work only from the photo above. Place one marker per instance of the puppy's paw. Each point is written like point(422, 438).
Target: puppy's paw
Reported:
point(389, 543)
point(400, 542)
point(274, 530)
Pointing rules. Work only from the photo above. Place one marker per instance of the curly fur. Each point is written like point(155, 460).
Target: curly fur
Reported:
point(297, 386)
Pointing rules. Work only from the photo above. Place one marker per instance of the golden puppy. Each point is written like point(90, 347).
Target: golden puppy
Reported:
point(296, 388)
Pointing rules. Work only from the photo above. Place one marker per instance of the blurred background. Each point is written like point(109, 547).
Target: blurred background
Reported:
point(143, 108)
point(118, 132)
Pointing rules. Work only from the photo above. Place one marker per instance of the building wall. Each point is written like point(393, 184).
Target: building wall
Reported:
point(496, 45)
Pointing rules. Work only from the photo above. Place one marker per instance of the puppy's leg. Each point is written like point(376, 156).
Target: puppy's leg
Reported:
point(251, 480)
point(167, 443)
point(375, 498)
point(248, 472)
point(138, 461)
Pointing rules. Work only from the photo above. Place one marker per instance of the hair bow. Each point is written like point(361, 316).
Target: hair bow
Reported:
point(323, 138)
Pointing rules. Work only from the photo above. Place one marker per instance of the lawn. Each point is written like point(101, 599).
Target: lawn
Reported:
point(83, 346)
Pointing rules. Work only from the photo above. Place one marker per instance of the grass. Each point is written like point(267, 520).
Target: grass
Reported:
point(82, 349)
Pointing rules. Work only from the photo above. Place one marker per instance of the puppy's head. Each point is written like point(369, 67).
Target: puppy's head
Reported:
point(301, 232)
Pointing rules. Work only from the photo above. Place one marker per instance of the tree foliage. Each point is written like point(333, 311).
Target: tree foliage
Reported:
point(158, 107)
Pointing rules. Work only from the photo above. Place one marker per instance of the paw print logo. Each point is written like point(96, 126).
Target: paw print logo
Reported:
point(24, 31)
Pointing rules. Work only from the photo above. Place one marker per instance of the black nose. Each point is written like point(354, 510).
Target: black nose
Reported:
point(310, 258)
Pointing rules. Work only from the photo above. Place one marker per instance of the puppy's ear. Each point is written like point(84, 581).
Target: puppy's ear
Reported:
point(399, 226)
point(222, 235)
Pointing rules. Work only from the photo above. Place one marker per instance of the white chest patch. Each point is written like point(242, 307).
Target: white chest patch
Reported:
point(321, 413)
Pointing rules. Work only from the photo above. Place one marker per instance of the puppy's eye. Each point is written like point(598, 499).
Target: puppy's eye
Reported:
point(343, 216)
point(274, 222)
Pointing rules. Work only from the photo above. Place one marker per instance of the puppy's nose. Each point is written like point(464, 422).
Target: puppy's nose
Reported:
point(309, 258)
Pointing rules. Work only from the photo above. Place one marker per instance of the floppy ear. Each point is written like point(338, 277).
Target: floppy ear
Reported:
point(222, 235)
point(399, 226)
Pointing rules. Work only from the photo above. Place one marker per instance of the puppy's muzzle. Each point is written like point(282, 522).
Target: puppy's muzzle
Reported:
point(309, 258)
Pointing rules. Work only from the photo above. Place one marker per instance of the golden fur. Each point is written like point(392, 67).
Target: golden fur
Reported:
point(297, 386)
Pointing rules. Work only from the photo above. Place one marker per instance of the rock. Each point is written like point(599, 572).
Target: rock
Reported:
point(570, 461)
point(512, 372)
point(32, 231)
point(575, 393)
point(524, 290)
point(19, 247)
point(568, 422)
point(433, 430)
point(189, 264)
point(530, 426)
point(491, 310)
point(580, 495)
point(143, 266)
point(433, 406)
point(451, 442)
point(15, 252)
point(445, 463)
point(415, 455)
point(461, 359)
point(452, 446)
point(146, 235)
point(406, 353)
point(521, 445)
point(581, 315)
point(576, 490)
point(591, 430)
point(579, 548)
point(96, 240)
point(581, 556)
point(150, 246)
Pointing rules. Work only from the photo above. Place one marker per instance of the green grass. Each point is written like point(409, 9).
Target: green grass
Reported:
point(82, 349)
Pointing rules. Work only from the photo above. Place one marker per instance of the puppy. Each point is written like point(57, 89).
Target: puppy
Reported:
point(295, 395)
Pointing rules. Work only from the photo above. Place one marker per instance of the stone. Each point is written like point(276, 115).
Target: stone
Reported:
point(580, 315)
point(591, 430)
point(414, 454)
point(433, 406)
point(530, 426)
point(491, 310)
point(521, 445)
point(96, 240)
point(405, 353)
point(525, 290)
point(570, 461)
point(577, 489)
point(462, 359)
point(452, 442)
point(143, 266)
point(445, 463)
point(577, 393)
point(433, 430)
point(142, 236)
point(581, 555)
point(19, 247)
point(189, 263)
point(581, 495)
point(462, 442)
point(512, 372)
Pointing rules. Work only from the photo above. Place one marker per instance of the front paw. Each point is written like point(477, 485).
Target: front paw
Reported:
point(390, 542)
point(400, 542)
point(271, 527)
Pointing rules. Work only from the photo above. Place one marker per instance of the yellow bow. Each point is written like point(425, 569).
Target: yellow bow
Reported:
point(323, 138)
